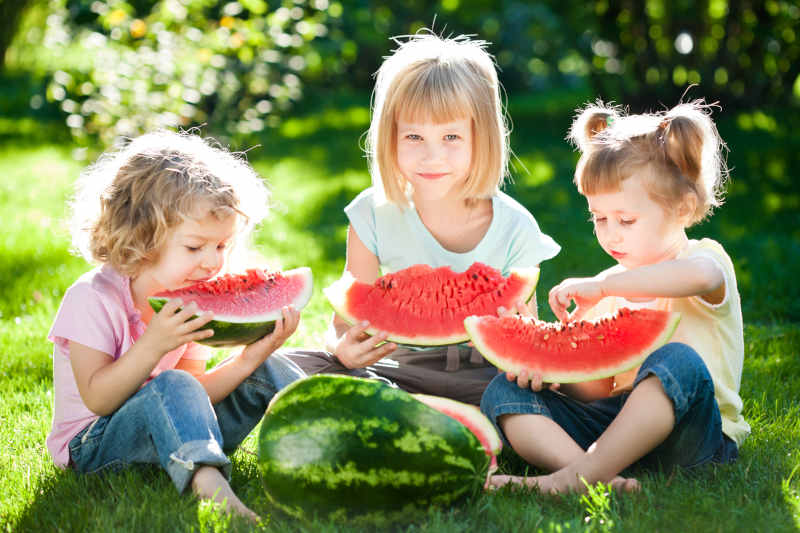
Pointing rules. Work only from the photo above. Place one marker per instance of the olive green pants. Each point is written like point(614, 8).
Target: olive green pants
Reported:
point(456, 371)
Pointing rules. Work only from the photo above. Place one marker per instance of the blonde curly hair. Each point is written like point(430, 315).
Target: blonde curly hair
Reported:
point(128, 201)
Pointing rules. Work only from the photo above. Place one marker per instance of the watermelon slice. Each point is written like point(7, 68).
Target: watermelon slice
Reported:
point(426, 306)
point(569, 353)
point(470, 416)
point(245, 306)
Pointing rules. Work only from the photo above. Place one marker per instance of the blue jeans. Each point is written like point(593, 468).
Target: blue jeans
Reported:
point(170, 421)
point(696, 439)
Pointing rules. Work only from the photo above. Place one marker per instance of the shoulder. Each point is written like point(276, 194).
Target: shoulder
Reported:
point(101, 283)
point(508, 208)
point(711, 249)
point(366, 199)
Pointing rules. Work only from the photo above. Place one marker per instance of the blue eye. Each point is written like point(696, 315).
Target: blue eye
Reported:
point(413, 137)
point(193, 248)
point(451, 137)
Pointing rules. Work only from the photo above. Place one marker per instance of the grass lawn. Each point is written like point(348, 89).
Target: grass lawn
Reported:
point(315, 167)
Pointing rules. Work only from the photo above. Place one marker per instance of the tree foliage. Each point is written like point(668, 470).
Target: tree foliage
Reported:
point(131, 66)
point(119, 67)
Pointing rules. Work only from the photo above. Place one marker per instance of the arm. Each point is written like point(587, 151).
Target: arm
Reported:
point(678, 278)
point(353, 347)
point(105, 384)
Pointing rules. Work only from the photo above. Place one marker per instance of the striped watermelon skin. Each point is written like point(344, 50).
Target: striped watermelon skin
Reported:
point(359, 450)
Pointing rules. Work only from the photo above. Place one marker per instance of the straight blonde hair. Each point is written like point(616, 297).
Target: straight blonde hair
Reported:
point(429, 77)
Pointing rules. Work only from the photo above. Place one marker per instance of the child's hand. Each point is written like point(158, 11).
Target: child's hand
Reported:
point(170, 328)
point(284, 327)
point(533, 381)
point(585, 292)
point(356, 349)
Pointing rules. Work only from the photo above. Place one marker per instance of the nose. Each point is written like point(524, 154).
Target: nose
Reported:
point(212, 260)
point(433, 151)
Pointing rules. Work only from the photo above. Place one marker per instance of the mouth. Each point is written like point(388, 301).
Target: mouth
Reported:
point(431, 175)
point(617, 255)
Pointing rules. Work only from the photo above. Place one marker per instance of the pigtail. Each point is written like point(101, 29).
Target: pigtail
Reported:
point(691, 142)
point(589, 121)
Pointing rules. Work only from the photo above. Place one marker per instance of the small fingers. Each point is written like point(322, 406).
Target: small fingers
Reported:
point(522, 380)
point(198, 335)
point(536, 382)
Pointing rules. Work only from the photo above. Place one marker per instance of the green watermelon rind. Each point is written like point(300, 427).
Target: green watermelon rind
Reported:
point(357, 450)
point(337, 296)
point(478, 423)
point(235, 331)
point(471, 324)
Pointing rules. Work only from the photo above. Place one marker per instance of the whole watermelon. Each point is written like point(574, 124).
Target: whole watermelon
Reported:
point(354, 449)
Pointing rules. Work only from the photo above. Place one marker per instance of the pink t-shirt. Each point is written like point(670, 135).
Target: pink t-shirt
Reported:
point(97, 311)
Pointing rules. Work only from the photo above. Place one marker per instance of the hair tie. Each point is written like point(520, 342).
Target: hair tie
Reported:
point(609, 121)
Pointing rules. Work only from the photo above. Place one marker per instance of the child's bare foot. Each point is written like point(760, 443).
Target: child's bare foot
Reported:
point(625, 484)
point(495, 482)
point(208, 483)
point(565, 480)
point(557, 483)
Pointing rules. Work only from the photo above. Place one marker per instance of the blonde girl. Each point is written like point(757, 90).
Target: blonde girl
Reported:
point(131, 385)
point(438, 153)
point(646, 179)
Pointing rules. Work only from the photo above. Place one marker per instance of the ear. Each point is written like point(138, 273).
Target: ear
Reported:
point(687, 208)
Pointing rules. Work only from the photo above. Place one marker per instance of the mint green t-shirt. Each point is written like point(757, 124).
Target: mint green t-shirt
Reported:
point(399, 239)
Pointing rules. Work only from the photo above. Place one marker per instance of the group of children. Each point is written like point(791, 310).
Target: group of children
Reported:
point(169, 209)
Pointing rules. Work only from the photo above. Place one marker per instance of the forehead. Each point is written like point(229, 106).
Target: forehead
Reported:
point(203, 220)
point(631, 197)
point(429, 122)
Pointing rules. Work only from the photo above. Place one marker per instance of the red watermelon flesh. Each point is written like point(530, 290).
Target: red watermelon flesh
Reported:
point(254, 296)
point(245, 306)
point(426, 306)
point(569, 353)
point(470, 416)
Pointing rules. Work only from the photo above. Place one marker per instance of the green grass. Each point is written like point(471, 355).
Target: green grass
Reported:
point(315, 167)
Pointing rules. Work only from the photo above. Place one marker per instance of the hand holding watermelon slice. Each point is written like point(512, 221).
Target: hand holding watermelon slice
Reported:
point(426, 306)
point(245, 306)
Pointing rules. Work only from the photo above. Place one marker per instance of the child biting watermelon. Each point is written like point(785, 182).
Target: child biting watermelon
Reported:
point(130, 384)
point(646, 179)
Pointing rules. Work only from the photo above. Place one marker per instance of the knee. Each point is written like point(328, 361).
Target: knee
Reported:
point(679, 360)
point(177, 382)
point(683, 374)
point(494, 394)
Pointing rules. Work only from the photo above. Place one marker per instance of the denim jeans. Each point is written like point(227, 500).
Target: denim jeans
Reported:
point(696, 438)
point(170, 421)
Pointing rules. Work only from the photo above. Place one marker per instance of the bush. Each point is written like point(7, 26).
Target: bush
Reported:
point(131, 66)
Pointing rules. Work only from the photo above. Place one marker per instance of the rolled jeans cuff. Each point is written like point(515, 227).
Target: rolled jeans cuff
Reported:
point(186, 460)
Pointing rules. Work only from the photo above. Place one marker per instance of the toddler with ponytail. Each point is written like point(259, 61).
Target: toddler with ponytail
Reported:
point(646, 178)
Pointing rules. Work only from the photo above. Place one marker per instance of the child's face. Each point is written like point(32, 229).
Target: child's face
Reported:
point(634, 229)
point(434, 158)
point(195, 250)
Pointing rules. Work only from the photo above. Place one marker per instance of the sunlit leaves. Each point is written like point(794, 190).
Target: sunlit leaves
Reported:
point(179, 63)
